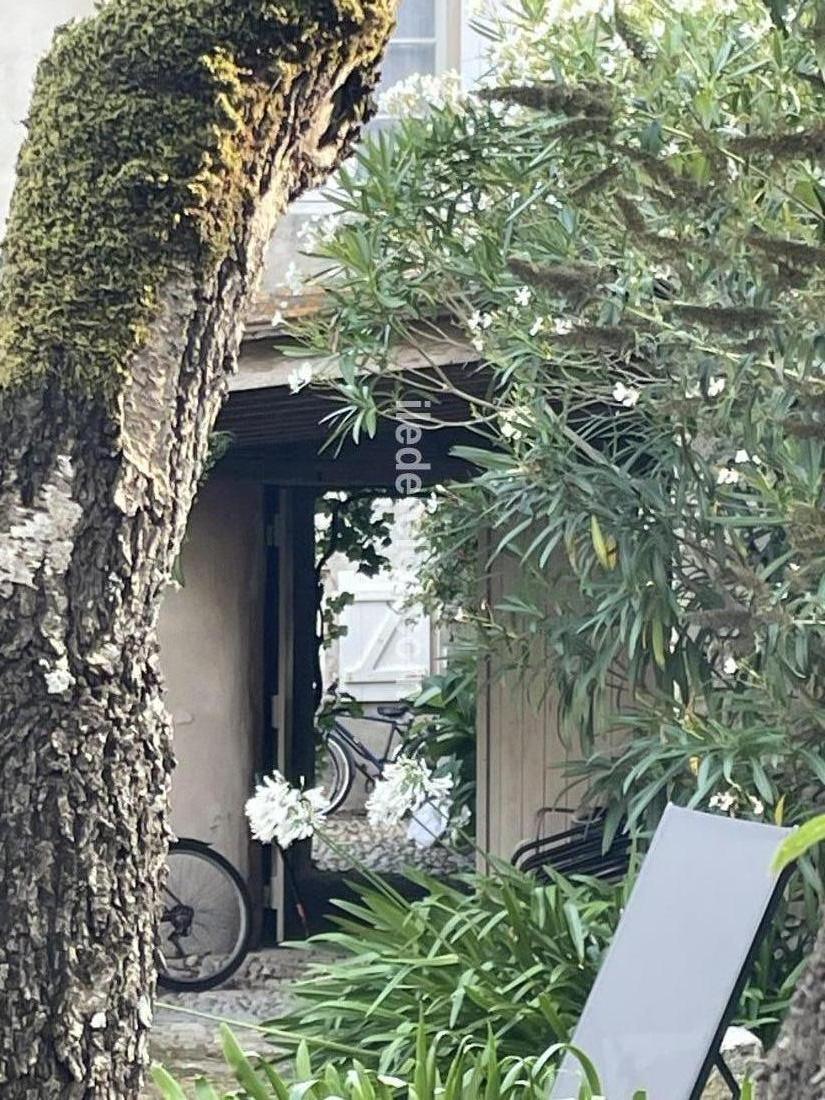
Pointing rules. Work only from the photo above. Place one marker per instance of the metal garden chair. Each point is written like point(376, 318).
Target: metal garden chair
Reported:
point(673, 976)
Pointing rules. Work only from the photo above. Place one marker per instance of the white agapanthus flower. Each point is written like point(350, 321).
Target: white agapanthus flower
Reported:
point(742, 456)
point(716, 386)
point(318, 230)
point(562, 326)
point(300, 377)
point(537, 326)
point(625, 395)
point(59, 678)
point(403, 789)
point(523, 296)
point(283, 813)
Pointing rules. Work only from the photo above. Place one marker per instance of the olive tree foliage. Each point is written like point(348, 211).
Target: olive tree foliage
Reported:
point(623, 233)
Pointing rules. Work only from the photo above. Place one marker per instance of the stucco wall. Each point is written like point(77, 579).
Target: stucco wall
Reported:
point(211, 648)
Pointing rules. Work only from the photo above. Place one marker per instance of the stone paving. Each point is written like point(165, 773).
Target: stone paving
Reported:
point(188, 1045)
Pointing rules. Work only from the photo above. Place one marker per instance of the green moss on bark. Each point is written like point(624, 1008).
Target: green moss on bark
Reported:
point(140, 136)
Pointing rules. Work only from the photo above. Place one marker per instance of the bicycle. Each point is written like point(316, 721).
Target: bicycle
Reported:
point(340, 754)
point(206, 919)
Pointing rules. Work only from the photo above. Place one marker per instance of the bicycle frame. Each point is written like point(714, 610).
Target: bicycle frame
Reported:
point(359, 749)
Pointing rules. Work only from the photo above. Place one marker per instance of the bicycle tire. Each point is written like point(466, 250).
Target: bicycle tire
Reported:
point(338, 752)
point(204, 852)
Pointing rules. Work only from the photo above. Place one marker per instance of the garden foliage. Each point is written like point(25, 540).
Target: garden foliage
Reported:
point(624, 231)
point(500, 955)
point(478, 1071)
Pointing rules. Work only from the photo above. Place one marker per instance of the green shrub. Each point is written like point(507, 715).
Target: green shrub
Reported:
point(495, 955)
point(477, 1071)
point(445, 716)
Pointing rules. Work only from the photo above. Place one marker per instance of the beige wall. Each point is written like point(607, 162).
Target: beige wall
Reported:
point(211, 647)
point(521, 748)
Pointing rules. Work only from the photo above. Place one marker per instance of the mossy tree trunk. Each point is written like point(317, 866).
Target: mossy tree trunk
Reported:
point(165, 138)
point(796, 1065)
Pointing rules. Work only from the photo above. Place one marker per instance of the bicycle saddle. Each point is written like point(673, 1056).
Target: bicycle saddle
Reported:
point(393, 710)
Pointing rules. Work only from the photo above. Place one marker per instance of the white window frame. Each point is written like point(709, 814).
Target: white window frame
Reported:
point(447, 42)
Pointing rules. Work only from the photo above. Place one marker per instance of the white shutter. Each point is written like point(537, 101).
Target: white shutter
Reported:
point(385, 653)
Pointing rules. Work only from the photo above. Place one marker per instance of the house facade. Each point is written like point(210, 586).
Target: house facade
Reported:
point(237, 637)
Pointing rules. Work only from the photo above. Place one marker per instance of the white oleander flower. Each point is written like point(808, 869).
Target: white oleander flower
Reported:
point(300, 377)
point(716, 386)
point(726, 801)
point(625, 395)
point(727, 476)
point(479, 321)
point(422, 93)
point(403, 789)
point(283, 813)
point(523, 296)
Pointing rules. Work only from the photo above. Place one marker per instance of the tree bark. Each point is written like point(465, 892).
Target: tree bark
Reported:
point(95, 489)
point(795, 1066)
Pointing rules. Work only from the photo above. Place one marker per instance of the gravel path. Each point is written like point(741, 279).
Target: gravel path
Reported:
point(189, 1045)
point(386, 849)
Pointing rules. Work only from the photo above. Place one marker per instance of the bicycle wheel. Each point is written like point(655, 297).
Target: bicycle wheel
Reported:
point(206, 920)
point(333, 770)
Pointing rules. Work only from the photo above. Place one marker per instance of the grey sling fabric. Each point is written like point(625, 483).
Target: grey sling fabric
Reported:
point(660, 998)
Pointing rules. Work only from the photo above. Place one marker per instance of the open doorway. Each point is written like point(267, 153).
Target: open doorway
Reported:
point(379, 652)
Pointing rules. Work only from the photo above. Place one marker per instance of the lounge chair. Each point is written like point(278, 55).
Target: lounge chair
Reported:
point(674, 973)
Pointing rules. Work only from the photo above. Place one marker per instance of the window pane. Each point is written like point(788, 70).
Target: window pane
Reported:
point(402, 61)
point(416, 19)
